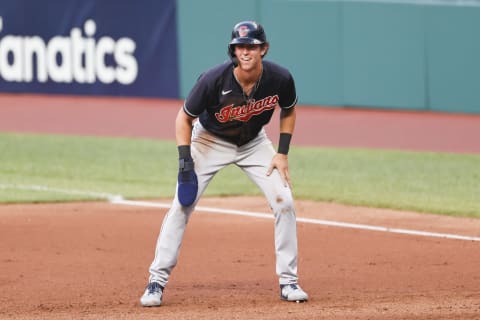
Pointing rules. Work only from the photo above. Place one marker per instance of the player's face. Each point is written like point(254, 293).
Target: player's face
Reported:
point(249, 55)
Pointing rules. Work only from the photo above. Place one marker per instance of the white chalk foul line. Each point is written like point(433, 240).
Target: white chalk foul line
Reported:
point(303, 220)
point(118, 199)
point(90, 194)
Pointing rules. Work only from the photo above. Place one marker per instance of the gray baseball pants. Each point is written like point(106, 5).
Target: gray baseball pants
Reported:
point(211, 154)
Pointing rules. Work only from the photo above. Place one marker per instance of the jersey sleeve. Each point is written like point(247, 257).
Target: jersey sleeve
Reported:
point(198, 98)
point(289, 98)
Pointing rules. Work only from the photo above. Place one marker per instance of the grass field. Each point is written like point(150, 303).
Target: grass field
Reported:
point(139, 168)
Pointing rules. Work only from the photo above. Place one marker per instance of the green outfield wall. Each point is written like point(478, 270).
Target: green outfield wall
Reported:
point(421, 55)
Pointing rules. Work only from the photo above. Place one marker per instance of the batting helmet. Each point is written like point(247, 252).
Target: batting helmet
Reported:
point(246, 32)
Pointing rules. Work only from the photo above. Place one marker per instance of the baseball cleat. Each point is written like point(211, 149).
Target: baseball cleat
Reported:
point(153, 295)
point(292, 292)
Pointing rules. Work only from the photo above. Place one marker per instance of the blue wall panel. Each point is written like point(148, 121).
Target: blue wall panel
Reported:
point(90, 47)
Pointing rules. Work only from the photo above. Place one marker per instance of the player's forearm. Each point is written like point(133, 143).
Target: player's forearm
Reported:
point(287, 121)
point(183, 128)
point(287, 125)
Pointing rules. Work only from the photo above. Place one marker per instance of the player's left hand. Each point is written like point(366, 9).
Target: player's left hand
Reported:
point(280, 162)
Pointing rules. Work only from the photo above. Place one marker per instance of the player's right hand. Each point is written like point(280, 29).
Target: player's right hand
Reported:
point(187, 182)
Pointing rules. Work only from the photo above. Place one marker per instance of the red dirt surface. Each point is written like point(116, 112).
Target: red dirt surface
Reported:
point(90, 260)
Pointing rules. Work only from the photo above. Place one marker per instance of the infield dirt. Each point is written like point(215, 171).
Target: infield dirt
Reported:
point(90, 261)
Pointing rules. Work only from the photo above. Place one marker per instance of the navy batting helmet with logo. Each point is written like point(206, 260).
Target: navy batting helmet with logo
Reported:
point(246, 32)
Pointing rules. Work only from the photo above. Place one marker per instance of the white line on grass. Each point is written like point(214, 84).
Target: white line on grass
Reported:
point(90, 194)
point(118, 199)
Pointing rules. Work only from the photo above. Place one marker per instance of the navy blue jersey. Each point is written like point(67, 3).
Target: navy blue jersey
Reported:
point(223, 109)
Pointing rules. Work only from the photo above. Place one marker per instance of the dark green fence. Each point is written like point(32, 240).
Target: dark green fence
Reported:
point(422, 55)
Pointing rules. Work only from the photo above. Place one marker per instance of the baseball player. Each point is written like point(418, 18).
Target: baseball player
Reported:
point(233, 101)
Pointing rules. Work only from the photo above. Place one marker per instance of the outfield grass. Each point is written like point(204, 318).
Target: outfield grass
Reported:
point(138, 168)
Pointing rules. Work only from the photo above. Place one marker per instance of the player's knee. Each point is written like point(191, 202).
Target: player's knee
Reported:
point(283, 204)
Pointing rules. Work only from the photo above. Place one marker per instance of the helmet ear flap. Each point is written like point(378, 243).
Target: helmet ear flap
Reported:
point(265, 45)
point(231, 54)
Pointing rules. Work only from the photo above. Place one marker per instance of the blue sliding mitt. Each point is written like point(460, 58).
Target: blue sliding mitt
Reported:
point(187, 180)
